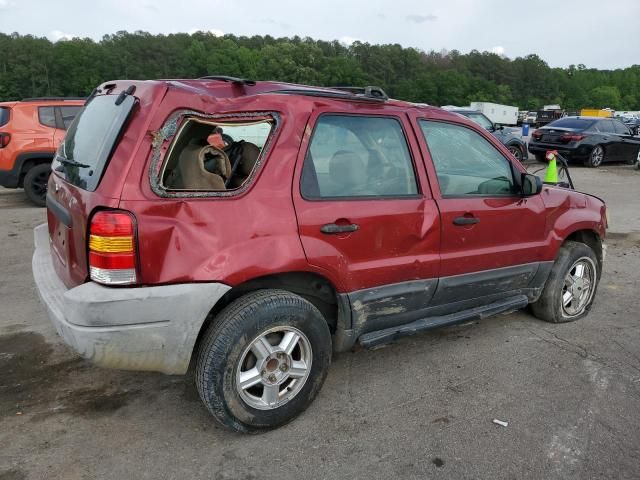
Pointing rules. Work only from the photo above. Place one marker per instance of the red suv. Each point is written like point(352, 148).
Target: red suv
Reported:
point(253, 227)
point(30, 132)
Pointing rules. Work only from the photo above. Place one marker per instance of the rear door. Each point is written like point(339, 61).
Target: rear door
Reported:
point(65, 114)
point(491, 236)
point(610, 140)
point(365, 214)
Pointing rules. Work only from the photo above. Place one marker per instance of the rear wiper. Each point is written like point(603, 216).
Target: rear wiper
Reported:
point(72, 163)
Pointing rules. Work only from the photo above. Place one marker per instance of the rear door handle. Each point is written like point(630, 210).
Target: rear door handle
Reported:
point(466, 220)
point(330, 228)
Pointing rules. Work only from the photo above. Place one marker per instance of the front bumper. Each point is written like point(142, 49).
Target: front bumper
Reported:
point(145, 328)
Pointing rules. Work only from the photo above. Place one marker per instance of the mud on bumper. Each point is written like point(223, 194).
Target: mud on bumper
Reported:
point(146, 328)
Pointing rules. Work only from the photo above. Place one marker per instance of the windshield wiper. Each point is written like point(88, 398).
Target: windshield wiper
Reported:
point(73, 163)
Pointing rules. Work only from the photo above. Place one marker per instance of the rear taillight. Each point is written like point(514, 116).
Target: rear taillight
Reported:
point(571, 138)
point(112, 248)
point(537, 134)
point(5, 138)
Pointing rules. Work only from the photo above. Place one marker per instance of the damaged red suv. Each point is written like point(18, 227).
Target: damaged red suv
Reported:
point(253, 228)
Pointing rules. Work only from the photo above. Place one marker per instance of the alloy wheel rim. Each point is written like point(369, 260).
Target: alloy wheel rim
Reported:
point(597, 155)
point(273, 368)
point(578, 287)
point(515, 152)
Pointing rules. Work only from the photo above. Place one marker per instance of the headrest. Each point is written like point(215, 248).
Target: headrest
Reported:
point(347, 169)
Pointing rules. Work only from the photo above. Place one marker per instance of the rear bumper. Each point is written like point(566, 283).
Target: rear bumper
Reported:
point(570, 151)
point(146, 328)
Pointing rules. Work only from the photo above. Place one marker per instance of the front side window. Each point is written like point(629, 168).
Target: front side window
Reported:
point(480, 119)
point(621, 128)
point(465, 162)
point(606, 126)
point(47, 116)
point(358, 156)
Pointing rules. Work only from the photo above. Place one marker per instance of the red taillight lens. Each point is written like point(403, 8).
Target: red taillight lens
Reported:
point(537, 135)
point(571, 138)
point(5, 138)
point(112, 248)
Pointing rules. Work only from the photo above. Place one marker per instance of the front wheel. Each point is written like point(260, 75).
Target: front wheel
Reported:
point(263, 361)
point(35, 183)
point(571, 286)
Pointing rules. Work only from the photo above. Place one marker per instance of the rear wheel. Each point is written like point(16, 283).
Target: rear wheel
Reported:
point(516, 151)
point(596, 158)
point(571, 286)
point(263, 361)
point(35, 183)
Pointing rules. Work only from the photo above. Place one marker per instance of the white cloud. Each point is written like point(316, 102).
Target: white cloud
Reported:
point(498, 50)
point(213, 31)
point(347, 40)
point(57, 35)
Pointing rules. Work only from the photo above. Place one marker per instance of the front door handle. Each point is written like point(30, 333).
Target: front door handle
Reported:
point(465, 220)
point(330, 228)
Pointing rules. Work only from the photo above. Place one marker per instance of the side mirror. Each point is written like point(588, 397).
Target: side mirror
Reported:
point(531, 185)
point(498, 127)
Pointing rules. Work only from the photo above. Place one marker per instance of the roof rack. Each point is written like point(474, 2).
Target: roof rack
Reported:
point(47, 99)
point(225, 78)
point(367, 94)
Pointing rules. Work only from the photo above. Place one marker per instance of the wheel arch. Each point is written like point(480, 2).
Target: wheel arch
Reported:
point(592, 239)
point(315, 288)
point(30, 160)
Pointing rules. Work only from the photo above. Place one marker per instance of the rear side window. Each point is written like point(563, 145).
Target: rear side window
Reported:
point(87, 147)
point(69, 114)
point(357, 156)
point(465, 162)
point(47, 116)
point(215, 155)
point(4, 116)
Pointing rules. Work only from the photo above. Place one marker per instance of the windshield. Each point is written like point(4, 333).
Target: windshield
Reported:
point(90, 140)
point(573, 123)
point(480, 119)
point(4, 116)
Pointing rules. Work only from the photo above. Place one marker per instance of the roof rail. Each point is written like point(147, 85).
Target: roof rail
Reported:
point(47, 99)
point(342, 93)
point(225, 78)
point(370, 91)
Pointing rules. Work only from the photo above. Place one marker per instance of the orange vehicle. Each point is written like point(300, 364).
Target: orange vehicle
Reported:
point(30, 132)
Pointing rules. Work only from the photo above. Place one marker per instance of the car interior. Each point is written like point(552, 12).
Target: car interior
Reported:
point(214, 156)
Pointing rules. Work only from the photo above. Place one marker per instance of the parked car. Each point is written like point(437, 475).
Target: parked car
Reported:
point(507, 135)
point(30, 132)
point(173, 240)
point(633, 123)
point(590, 140)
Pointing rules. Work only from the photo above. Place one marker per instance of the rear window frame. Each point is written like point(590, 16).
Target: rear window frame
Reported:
point(590, 124)
point(165, 138)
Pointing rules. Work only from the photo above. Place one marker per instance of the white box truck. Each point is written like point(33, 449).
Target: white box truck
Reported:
point(502, 114)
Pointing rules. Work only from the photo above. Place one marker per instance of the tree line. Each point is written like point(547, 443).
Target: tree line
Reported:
point(33, 67)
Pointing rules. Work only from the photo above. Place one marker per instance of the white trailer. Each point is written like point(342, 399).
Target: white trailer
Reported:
point(502, 114)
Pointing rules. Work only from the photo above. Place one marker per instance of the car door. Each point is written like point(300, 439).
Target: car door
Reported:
point(610, 140)
point(366, 217)
point(628, 145)
point(492, 237)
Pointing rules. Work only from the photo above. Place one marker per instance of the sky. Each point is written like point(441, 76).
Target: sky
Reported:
point(601, 34)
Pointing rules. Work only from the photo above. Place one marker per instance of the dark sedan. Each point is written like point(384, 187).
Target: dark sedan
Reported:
point(588, 139)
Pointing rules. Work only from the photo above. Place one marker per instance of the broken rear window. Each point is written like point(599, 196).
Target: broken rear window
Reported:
point(214, 156)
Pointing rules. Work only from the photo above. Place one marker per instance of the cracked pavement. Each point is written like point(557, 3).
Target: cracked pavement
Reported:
point(422, 407)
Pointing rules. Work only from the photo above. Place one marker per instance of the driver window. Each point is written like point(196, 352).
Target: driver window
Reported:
point(357, 156)
point(465, 162)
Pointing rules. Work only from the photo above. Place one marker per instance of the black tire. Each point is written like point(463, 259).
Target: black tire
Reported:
point(549, 307)
point(35, 183)
point(516, 151)
point(596, 157)
point(540, 158)
point(227, 342)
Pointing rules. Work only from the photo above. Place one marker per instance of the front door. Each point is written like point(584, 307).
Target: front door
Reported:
point(491, 236)
point(365, 215)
